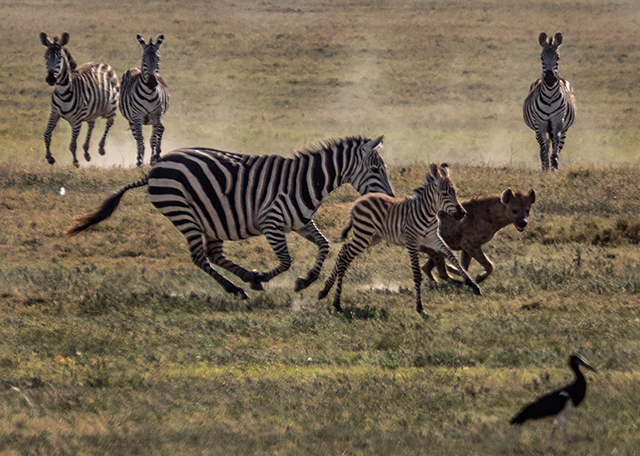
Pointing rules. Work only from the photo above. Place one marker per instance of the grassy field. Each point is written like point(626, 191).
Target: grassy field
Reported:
point(114, 343)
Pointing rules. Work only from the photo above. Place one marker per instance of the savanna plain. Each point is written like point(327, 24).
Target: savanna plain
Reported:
point(113, 342)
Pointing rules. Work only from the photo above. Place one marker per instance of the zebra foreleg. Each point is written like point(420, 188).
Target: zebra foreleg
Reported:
point(156, 139)
point(200, 259)
point(215, 254)
point(417, 274)
point(103, 140)
point(311, 233)
point(439, 245)
point(136, 129)
point(75, 131)
point(557, 143)
point(51, 124)
point(85, 146)
point(543, 141)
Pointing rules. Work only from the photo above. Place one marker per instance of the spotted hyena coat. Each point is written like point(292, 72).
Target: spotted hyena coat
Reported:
point(485, 217)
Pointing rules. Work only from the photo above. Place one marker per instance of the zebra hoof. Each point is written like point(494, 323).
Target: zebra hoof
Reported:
point(338, 307)
point(101, 151)
point(301, 284)
point(51, 160)
point(322, 294)
point(76, 164)
point(424, 314)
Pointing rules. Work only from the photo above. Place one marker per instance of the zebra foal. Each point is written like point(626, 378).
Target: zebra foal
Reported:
point(81, 94)
point(411, 222)
point(144, 98)
point(550, 107)
point(213, 196)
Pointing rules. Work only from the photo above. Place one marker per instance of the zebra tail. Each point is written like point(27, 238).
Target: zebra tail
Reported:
point(346, 229)
point(107, 208)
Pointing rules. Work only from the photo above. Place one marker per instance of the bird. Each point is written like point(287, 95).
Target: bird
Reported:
point(559, 403)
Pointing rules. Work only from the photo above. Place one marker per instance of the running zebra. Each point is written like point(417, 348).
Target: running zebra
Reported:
point(550, 107)
point(144, 98)
point(410, 222)
point(213, 196)
point(81, 94)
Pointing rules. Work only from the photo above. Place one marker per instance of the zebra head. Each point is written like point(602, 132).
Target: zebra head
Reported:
point(370, 173)
point(550, 57)
point(55, 56)
point(150, 56)
point(446, 196)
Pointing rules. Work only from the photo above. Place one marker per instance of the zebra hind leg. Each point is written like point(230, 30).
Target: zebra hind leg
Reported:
point(200, 259)
point(215, 254)
point(347, 253)
point(103, 140)
point(85, 146)
point(311, 233)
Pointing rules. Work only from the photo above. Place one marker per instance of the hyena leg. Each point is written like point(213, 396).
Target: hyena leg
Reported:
point(311, 233)
point(51, 124)
point(215, 254)
point(85, 146)
point(103, 140)
point(439, 245)
point(543, 141)
point(195, 240)
point(481, 258)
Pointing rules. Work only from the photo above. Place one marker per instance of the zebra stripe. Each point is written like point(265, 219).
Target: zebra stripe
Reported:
point(411, 222)
point(81, 94)
point(550, 107)
point(213, 196)
point(144, 98)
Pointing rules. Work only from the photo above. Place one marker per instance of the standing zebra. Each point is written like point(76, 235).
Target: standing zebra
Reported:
point(410, 222)
point(213, 196)
point(550, 107)
point(144, 98)
point(81, 94)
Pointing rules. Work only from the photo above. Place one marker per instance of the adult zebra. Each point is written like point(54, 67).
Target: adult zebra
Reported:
point(550, 107)
point(81, 94)
point(410, 222)
point(213, 196)
point(144, 98)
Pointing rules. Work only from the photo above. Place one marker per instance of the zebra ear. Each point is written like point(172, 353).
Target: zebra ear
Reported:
point(558, 39)
point(373, 145)
point(532, 196)
point(159, 40)
point(44, 39)
point(542, 39)
point(141, 40)
point(64, 39)
point(507, 196)
point(444, 170)
point(434, 169)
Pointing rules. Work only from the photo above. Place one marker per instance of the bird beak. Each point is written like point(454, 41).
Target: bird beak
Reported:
point(590, 368)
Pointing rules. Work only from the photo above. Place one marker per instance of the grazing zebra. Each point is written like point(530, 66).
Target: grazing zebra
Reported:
point(411, 222)
point(213, 196)
point(550, 107)
point(81, 94)
point(144, 98)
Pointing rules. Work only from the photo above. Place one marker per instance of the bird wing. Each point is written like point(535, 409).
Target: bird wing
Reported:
point(548, 405)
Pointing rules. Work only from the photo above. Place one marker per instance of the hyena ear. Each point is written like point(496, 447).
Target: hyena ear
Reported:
point(434, 169)
point(557, 39)
point(507, 196)
point(159, 40)
point(542, 39)
point(373, 146)
point(141, 40)
point(532, 196)
point(44, 39)
point(64, 40)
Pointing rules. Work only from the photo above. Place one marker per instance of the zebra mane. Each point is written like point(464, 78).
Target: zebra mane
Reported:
point(72, 61)
point(329, 144)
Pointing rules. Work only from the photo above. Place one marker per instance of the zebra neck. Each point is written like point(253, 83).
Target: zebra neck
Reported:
point(65, 78)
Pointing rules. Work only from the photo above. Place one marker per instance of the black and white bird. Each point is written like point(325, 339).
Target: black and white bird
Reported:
point(558, 404)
